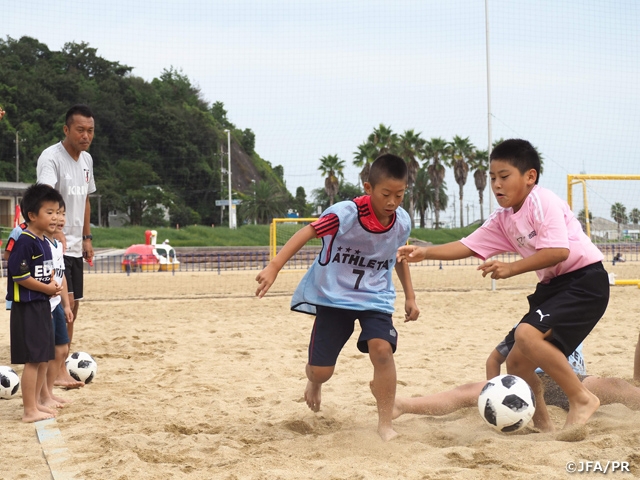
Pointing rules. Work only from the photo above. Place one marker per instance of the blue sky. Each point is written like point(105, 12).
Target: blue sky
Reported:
point(313, 78)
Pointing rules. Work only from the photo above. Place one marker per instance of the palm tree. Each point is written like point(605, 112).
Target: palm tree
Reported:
point(461, 152)
point(582, 218)
point(263, 202)
point(634, 216)
point(383, 139)
point(435, 151)
point(425, 195)
point(331, 167)
point(619, 215)
point(480, 164)
point(363, 158)
point(410, 147)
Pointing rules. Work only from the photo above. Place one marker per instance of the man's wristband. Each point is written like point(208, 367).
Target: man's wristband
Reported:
point(87, 237)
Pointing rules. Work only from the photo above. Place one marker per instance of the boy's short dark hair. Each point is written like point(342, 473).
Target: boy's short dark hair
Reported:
point(518, 153)
point(35, 196)
point(79, 109)
point(387, 165)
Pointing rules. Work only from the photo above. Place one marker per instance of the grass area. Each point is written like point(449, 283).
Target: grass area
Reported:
point(245, 236)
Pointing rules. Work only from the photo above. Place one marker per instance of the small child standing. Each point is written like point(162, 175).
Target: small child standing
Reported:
point(62, 314)
point(352, 279)
point(573, 289)
point(30, 283)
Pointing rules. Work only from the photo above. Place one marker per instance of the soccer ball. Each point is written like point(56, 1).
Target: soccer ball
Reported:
point(82, 367)
point(9, 382)
point(507, 403)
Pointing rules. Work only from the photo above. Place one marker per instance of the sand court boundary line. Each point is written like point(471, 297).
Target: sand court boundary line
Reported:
point(54, 449)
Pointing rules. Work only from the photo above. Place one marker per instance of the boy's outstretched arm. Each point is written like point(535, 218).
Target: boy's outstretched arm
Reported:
point(543, 258)
point(448, 251)
point(410, 306)
point(493, 364)
point(268, 275)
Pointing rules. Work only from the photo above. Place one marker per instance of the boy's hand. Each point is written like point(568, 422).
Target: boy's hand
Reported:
point(411, 311)
point(265, 279)
point(410, 253)
point(497, 269)
point(52, 288)
point(68, 313)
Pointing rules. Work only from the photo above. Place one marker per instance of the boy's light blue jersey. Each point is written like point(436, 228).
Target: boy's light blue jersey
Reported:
point(354, 268)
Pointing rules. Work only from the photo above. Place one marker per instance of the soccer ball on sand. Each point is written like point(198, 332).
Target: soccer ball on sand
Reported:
point(507, 403)
point(82, 367)
point(9, 382)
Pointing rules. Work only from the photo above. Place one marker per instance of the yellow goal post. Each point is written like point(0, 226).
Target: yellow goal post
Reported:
point(573, 179)
point(282, 229)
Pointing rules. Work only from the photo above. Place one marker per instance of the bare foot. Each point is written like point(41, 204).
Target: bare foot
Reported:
point(544, 426)
point(581, 410)
point(45, 409)
point(35, 416)
point(61, 400)
point(387, 433)
point(65, 380)
point(50, 403)
point(312, 395)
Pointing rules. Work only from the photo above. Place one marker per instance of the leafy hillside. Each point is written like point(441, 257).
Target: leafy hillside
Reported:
point(159, 133)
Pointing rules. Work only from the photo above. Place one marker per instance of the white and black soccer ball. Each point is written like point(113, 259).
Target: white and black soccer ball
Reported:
point(507, 403)
point(9, 382)
point(82, 367)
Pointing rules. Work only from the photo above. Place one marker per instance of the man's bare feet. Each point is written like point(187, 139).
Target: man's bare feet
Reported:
point(581, 410)
point(65, 380)
point(36, 416)
point(58, 399)
point(312, 395)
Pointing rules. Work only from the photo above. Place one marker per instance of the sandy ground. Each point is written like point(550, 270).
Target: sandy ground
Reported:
point(211, 388)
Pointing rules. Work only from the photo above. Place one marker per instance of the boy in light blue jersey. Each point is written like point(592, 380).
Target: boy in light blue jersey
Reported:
point(352, 279)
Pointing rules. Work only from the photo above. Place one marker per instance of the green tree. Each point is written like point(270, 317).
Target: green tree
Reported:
point(634, 216)
point(435, 155)
point(425, 195)
point(479, 164)
point(462, 152)
point(363, 158)
point(301, 205)
point(619, 215)
point(346, 191)
point(582, 218)
point(263, 202)
point(410, 147)
point(332, 168)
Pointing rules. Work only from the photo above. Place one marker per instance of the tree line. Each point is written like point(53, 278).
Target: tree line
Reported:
point(156, 143)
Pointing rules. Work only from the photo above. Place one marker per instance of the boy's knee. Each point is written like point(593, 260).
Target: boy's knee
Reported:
point(319, 374)
point(380, 351)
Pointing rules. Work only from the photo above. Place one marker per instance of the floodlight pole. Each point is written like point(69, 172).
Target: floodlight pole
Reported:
point(229, 174)
point(489, 133)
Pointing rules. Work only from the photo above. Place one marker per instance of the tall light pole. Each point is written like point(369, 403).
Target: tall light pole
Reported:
point(489, 133)
point(229, 174)
point(17, 142)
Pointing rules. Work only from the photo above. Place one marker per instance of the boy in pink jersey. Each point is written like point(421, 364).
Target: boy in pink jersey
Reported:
point(573, 292)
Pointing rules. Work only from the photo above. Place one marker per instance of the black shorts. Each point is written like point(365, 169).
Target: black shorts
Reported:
point(31, 334)
point(570, 305)
point(333, 327)
point(73, 272)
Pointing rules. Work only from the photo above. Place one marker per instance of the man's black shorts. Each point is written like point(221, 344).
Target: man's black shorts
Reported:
point(74, 271)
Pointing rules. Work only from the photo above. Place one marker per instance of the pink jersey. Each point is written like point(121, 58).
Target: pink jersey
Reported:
point(544, 221)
